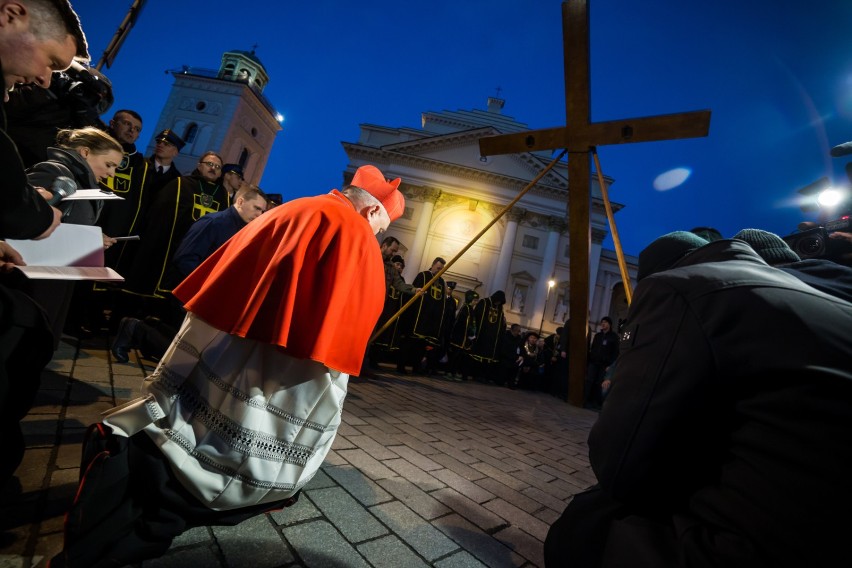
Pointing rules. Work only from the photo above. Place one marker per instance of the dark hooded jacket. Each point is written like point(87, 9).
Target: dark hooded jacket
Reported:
point(729, 414)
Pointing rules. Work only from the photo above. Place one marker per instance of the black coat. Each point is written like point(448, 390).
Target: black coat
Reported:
point(175, 208)
point(24, 213)
point(68, 163)
point(729, 414)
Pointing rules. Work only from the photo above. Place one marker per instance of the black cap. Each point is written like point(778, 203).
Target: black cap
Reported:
point(397, 258)
point(236, 168)
point(172, 138)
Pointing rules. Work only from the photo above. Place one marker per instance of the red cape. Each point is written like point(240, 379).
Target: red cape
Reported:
point(307, 276)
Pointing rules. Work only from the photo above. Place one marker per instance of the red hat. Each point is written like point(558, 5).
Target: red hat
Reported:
point(370, 179)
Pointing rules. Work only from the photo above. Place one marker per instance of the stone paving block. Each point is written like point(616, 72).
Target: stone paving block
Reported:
point(557, 491)
point(90, 392)
point(417, 533)
point(507, 479)
point(456, 452)
point(368, 465)
point(32, 469)
point(459, 560)
point(303, 510)
point(342, 443)
point(320, 480)
point(347, 514)
point(91, 374)
point(469, 509)
point(333, 458)
point(518, 518)
point(373, 448)
point(195, 535)
point(414, 474)
point(522, 543)
point(505, 465)
point(417, 433)
point(192, 556)
point(548, 499)
point(421, 447)
point(60, 365)
point(548, 516)
point(390, 552)
point(467, 488)
point(508, 494)
point(524, 458)
point(88, 413)
point(350, 415)
point(382, 425)
point(416, 458)
point(417, 500)
point(490, 552)
point(357, 484)
point(48, 402)
point(319, 545)
point(554, 465)
point(254, 543)
point(382, 437)
point(347, 429)
point(39, 429)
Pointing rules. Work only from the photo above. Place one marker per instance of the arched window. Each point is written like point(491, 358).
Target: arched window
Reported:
point(228, 70)
point(244, 156)
point(190, 133)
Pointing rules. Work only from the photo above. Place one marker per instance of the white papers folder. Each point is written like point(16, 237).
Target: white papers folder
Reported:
point(71, 252)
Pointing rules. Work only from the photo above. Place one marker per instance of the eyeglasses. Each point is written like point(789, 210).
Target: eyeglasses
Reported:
point(213, 165)
point(127, 124)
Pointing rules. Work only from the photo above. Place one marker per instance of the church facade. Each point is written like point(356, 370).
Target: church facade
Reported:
point(453, 193)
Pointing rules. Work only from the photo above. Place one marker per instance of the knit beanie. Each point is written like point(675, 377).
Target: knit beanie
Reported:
point(665, 251)
point(769, 246)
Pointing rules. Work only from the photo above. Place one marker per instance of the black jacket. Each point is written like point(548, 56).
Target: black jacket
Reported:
point(69, 163)
point(730, 412)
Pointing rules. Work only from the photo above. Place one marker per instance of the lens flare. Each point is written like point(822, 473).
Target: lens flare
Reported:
point(671, 179)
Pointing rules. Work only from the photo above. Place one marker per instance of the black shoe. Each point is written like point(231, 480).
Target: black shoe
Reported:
point(123, 339)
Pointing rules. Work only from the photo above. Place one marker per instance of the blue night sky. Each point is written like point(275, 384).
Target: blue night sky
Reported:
point(777, 76)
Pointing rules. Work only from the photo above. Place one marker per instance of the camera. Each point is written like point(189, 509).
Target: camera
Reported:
point(815, 243)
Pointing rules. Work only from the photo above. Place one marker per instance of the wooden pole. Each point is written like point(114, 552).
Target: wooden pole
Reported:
point(619, 252)
point(491, 223)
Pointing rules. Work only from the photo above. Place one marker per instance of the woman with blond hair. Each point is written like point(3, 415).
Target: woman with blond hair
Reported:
point(86, 155)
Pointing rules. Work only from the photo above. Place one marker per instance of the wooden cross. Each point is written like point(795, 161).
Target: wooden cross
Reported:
point(580, 136)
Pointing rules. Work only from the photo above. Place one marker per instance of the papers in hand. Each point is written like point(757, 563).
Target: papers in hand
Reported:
point(71, 252)
point(91, 194)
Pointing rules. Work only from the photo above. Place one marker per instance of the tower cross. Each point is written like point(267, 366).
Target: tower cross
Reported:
point(580, 137)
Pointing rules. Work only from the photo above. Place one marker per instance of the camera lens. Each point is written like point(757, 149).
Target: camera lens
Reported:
point(810, 246)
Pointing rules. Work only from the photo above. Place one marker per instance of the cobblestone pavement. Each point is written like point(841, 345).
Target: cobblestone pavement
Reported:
point(424, 472)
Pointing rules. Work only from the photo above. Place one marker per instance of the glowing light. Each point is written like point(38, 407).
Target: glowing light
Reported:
point(671, 179)
point(551, 283)
point(279, 117)
point(830, 197)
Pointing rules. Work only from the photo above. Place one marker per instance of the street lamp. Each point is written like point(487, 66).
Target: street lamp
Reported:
point(550, 284)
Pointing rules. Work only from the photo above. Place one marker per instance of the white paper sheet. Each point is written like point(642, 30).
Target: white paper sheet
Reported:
point(71, 252)
point(95, 194)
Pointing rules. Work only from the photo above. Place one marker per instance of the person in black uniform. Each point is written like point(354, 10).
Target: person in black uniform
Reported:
point(424, 319)
point(174, 209)
point(162, 169)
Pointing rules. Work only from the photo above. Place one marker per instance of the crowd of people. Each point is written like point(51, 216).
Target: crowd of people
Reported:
point(723, 437)
point(462, 337)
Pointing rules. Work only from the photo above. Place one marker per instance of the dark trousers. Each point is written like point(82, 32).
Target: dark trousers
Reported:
point(129, 506)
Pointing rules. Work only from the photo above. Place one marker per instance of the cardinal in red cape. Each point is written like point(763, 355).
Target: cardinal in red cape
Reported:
point(245, 404)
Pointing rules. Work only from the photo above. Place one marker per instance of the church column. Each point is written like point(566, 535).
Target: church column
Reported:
point(598, 235)
point(504, 261)
point(548, 266)
point(414, 256)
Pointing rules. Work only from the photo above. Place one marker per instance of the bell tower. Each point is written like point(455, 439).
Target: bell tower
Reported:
point(224, 111)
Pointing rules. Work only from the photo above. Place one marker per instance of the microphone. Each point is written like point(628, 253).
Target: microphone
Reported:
point(841, 150)
point(62, 187)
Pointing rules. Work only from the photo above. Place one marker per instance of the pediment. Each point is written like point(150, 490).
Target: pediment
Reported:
point(461, 149)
